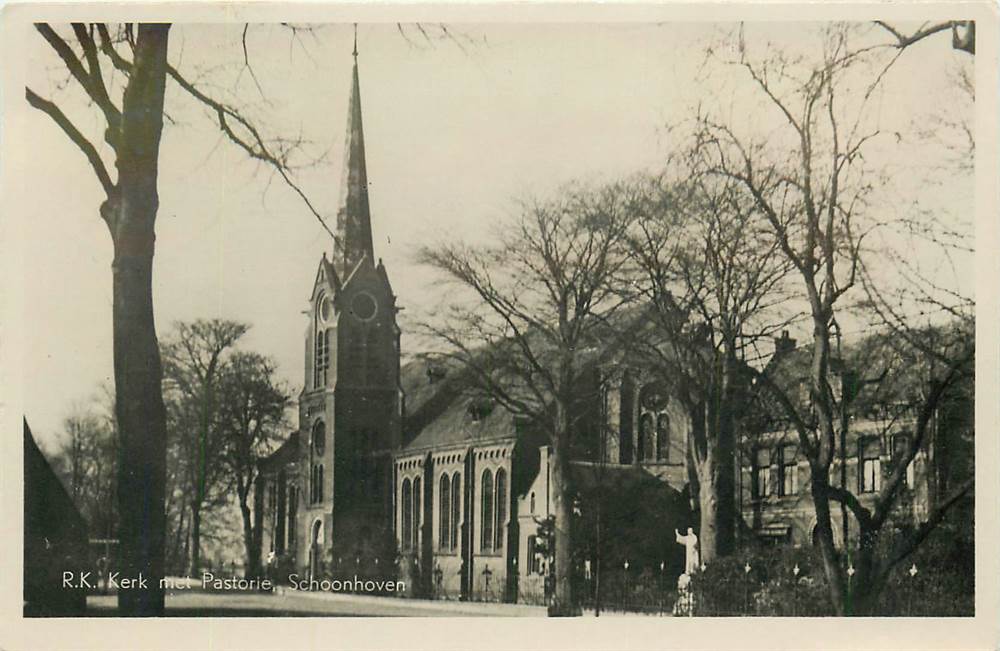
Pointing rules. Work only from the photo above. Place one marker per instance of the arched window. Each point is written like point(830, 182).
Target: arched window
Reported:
point(456, 508)
point(407, 500)
point(646, 437)
point(316, 484)
point(501, 508)
point(662, 437)
point(321, 362)
point(444, 514)
point(319, 438)
point(293, 508)
point(417, 513)
point(486, 534)
point(532, 507)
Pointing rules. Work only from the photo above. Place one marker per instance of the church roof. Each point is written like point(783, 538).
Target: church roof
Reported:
point(441, 411)
point(286, 453)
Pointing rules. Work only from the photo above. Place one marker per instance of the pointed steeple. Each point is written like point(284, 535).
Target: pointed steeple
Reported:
point(354, 224)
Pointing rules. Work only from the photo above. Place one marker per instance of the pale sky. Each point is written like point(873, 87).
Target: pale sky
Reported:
point(454, 135)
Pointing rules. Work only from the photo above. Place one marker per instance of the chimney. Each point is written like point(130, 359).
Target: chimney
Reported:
point(783, 344)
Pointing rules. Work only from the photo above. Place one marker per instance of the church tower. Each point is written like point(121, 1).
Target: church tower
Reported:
point(350, 407)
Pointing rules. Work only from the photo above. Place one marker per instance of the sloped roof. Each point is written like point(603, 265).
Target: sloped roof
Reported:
point(439, 408)
point(287, 452)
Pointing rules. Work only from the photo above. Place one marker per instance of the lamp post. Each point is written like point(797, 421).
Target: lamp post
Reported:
point(438, 580)
point(850, 575)
point(795, 590)
point(487, 575)
point(627, 592)
point(746, 588)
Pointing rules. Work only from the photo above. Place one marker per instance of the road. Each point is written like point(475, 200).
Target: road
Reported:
point(195, 603)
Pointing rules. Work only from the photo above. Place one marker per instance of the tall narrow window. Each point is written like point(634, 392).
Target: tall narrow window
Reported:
point(322, 359)
point(407, 500)
point(486, 534)
point(501, 508)
point(533, 564)
point(762, 473)
point(272, 514)
point(293, 508)
point(788, 482)
point(645, 437)
point(456, 508)
point(417, 513)
point(662, 437)
point(870, 464)
point(532, 503)
point(444, 514)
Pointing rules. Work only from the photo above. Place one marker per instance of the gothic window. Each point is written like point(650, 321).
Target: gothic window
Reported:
point(653, 423)
point(501, 507)
point(900, 449)
point(869, 461)
point(321, 364)
point(316, 484)
point(293, 508)
point(444, 514)
point(272, 512)
point(486, 534)
point(645, 437)
point(626, 421)
point(319, 438)
point(788, 480)
point(662, 437)
point(417, 513)
point(456, 508)
point(407, 500)
point(761, 473)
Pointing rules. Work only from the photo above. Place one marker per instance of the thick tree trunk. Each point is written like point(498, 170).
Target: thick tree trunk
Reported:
point(839, 597)
point(253, 532)
point(563, 510)
point(139, 408)
point(248, 540)
point(195, 538)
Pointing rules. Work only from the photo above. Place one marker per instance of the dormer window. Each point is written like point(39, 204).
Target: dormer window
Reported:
point(480, 408)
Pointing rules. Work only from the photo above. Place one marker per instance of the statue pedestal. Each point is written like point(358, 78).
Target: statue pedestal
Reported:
point(684, 606)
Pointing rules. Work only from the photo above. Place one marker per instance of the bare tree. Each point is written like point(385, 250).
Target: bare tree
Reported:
point(715, 282)
point(963, 34)
point(194, 364)
point(251, 418)
point(123, 71)
point(531, 312)
point(811, 181)
point(86, 463)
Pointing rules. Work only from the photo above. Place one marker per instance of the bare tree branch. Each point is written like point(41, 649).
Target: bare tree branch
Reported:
point(78, 139)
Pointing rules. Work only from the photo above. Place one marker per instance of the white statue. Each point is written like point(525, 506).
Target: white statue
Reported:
point(691, 557)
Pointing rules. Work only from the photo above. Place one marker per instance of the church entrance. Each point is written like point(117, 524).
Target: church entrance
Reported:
point(315, 549)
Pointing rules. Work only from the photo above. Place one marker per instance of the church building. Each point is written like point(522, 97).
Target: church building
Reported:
point(404, 466)
point(400, 472)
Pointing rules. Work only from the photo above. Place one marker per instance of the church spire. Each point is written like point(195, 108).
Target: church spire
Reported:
point(354, 224)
